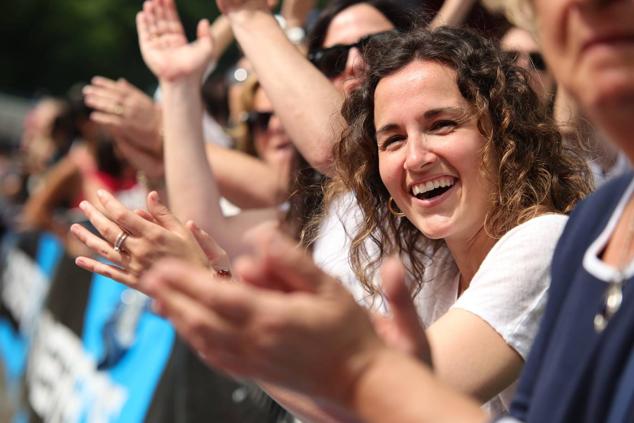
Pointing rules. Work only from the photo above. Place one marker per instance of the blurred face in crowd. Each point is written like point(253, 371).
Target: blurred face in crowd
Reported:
point(430, 151)
point(37, 138)
point(589, 45)
point(271, 141)
point(348, 27)
point(522, 44)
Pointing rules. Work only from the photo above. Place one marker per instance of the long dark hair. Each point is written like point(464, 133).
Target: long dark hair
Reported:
point(398, 14)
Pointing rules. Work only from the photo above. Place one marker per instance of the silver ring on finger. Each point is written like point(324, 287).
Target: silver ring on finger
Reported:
point(118, 243)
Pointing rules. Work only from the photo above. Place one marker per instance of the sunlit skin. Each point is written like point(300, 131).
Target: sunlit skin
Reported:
point(585, 40)
point(348, 27)
point(521, 41)
point(273, 144)
point(426, 131)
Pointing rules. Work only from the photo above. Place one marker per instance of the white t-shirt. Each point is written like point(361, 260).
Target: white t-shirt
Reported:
point(331, 249)
point(508, 291)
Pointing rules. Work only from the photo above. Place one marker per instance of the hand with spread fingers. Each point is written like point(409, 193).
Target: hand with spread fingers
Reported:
point(133, 242)
point(307, 335)
point(164, 46)
point(128, 112)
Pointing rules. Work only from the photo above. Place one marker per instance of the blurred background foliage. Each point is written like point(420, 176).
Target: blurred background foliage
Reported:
point(49, 45)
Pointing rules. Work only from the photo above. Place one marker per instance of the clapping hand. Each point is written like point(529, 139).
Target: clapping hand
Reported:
point(128, 112)
point(133, 242)
point(164, 46)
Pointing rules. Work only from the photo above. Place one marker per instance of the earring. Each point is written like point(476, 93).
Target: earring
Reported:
point(393, 208)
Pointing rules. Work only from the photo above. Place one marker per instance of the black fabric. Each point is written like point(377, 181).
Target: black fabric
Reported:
point(189, 392)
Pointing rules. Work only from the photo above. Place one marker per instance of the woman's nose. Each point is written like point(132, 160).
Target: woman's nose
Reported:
point(418, 154)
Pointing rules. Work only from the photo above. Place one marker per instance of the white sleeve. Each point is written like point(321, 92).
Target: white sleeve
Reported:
point(509, 289)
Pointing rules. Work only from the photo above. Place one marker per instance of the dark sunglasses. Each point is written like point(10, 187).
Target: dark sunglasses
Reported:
point(535, 57)
point(331, 61)
point(259, 120)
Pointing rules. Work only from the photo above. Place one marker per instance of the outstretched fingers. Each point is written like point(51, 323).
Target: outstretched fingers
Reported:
point(98, 245)
point(109, 271)
point(121, 216)
point(106, 227)
point(162, 214)
point(217, 257)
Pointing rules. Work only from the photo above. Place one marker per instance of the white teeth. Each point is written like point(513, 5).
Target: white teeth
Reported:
point(445, 181)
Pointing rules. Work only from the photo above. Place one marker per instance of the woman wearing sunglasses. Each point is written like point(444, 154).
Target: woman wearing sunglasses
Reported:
point(260, 132)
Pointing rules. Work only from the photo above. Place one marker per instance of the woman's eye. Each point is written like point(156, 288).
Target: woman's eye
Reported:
point(390, 141)
point(443, 126)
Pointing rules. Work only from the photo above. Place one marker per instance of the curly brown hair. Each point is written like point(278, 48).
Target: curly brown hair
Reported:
point(533, 171)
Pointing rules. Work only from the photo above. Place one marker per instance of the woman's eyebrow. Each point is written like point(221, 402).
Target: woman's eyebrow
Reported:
point(430, 114)
point(386, 128)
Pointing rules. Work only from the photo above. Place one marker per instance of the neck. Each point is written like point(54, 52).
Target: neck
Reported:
point(616, 124)
point(469, 253)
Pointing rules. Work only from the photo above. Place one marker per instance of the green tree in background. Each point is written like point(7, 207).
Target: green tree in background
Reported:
point(48, 45)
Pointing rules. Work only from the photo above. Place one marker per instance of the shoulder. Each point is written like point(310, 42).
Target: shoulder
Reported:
point(531, 243)
point(586, 222)
point(601, 203)
point(509, 291)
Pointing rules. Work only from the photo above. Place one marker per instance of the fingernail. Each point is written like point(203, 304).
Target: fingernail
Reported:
point(83, 205)
point(101, 193)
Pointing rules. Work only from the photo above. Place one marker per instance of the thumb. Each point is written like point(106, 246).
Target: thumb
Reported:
point(215, 254)
point(161, 213)
point(204, 36)
point(403, 309)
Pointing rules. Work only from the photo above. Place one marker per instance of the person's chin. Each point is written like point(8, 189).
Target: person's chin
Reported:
point(612, 91)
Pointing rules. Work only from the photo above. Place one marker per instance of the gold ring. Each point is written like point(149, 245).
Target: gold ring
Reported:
point(118, 243)
point(118, 110)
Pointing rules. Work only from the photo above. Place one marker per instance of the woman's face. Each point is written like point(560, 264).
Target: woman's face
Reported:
point(430, 151)
point(270, 139)
point(589, 45)
point(348, 27)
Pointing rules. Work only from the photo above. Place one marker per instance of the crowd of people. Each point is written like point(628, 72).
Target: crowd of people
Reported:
point(394, 218)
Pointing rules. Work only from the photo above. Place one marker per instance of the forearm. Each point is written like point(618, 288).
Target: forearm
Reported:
point(223, 36)
point(246, 181)
point(452, 13)
point(398, 388)
point(306, 102)
point(192, 192)
point(305, 408)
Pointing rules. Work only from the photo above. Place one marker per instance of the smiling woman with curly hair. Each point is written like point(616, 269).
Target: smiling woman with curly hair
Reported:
point(458, 168)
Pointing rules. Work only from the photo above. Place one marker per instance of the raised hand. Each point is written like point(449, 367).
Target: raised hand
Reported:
point(306, 334)
point(164, 46)
point(230, 6)
point(128, 112)
point(148, 237)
